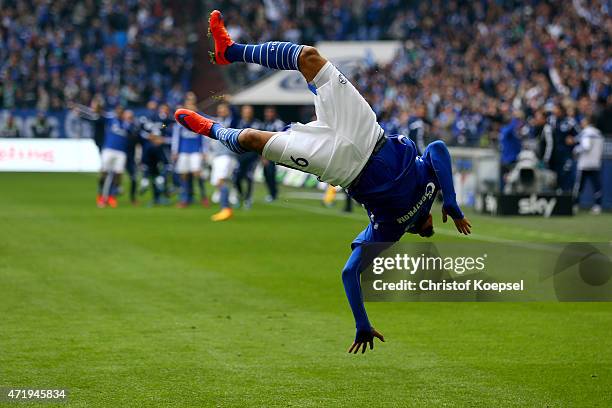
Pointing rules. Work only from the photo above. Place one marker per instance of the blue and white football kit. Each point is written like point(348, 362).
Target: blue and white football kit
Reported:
point(114, 149)
point(346, 146)
point(188, 146)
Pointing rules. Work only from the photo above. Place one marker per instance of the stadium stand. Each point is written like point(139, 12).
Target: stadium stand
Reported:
point(473, 73)
point(54, 53)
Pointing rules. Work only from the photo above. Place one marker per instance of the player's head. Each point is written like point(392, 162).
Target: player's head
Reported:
point(223, 110)
point(589, 120)
point(270, 113)
point(164, 110)
point(421, 111)
point(539, 117)
point(246, 113)
point(190, 99)
point(558, 110)
point(152, 105)
point(128, 115)
point(97, 103)
point(423, 226)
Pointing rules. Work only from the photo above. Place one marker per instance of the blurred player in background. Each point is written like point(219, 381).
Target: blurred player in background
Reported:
point(131, 166)
point(330, 195)
point(187, 150)
point(155, 155)
point(271, 123)
point(345, 146)
point(223, 164)
point(95, 116)
point(589, 152)
point(144, 129)
point(564, 129)
point(248, 161)
point(114, 156)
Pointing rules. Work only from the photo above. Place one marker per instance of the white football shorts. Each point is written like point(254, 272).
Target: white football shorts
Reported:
point(337, 145)
point(222, 168)
point(188, 163)
point(113, 161)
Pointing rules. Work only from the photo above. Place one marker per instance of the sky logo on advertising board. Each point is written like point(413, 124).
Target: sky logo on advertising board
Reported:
point(535, 205)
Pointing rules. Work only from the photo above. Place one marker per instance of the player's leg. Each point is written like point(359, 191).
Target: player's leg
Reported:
point(118, 167)
point(222, 168)
point(237, 140)
point(341, 108)
point(202, 189)
point(270, 177)
point(251, 163)
point(595, 177)
point(116, 182)
point(181, 167)
point(100, 200)
point(184, 194)
point(131, 170)
point(275, 54)
point(195, 168)
point(579, 185)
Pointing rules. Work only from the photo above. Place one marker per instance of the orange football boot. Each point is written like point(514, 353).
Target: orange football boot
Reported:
point(100, 201)
point(223, 215)
point(193, 121)
point(112, 202)
point(216, 29)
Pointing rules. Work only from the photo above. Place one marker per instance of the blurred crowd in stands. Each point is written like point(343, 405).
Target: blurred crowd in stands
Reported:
point(471, 65)
point(472, 73)
point(61, 51)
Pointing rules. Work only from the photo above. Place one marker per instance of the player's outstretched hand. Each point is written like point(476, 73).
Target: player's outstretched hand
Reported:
point(464, 226)
point(363, 338)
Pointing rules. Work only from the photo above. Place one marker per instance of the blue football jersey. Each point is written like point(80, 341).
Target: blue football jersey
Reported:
point(397, 189)
point(186, 141)
point(116, 135)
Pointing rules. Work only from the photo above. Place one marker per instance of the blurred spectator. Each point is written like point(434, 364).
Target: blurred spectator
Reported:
point(41, 128)
point(470, 63)
point(9, 127)
point(53, 53)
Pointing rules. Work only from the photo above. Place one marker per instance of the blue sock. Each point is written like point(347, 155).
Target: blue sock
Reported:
point(224, 196)
point(184, 191)
point(275, 54)
point(227, 136)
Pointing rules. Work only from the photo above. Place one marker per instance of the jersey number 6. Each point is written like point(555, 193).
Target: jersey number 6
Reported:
point(300, 161)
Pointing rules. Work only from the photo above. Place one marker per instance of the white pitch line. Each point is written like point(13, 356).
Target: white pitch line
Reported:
point(481, 237)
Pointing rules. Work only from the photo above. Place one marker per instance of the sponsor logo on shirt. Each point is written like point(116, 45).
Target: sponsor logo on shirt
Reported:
point(430, 190)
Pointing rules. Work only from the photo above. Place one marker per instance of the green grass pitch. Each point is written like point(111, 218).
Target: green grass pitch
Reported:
point(139, 307)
